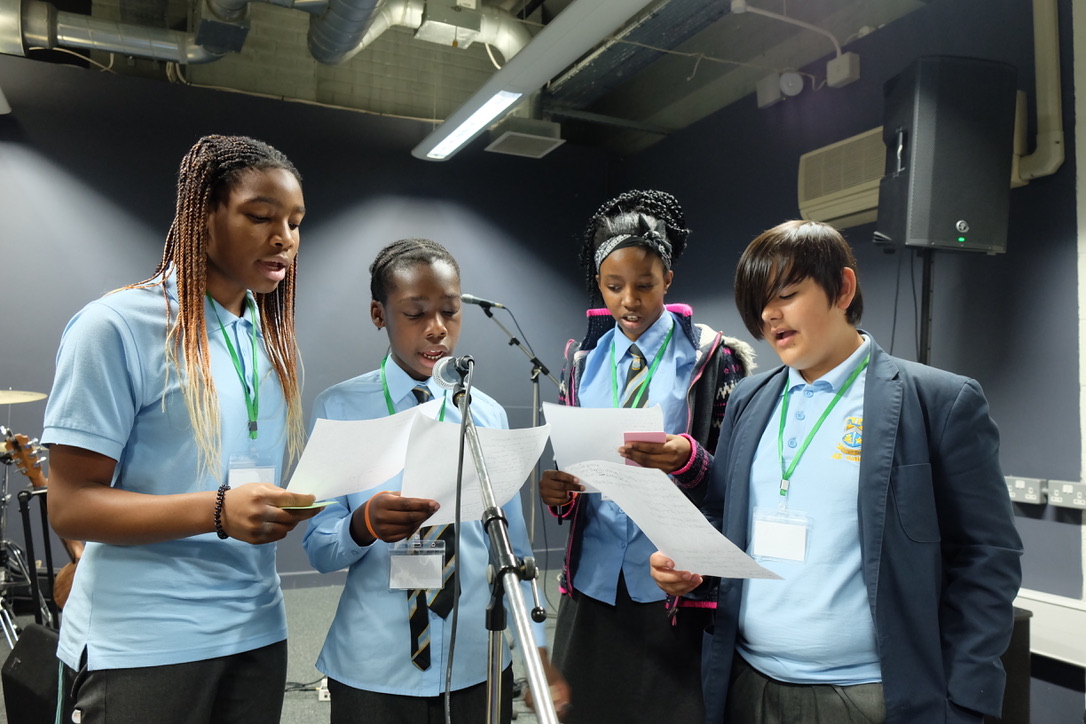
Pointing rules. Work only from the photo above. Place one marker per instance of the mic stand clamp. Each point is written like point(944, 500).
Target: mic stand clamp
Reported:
point(505, 574)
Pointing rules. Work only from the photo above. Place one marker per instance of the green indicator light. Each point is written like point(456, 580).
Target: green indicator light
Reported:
point(961, 239)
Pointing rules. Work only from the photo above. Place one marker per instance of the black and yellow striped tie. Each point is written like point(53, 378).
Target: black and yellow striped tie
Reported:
point(421, 601)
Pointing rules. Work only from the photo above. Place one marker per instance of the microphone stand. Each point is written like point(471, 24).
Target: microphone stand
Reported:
point(537, 368)
point(505, 574)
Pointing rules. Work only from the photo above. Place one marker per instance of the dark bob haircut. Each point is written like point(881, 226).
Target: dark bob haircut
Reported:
point(785, 255)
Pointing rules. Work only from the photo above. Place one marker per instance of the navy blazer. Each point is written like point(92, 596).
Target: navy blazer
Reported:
point(941, 555)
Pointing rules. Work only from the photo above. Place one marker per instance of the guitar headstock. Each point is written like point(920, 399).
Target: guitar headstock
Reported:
point(26, 454)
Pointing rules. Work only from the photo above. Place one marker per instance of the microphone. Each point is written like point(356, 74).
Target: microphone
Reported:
point(484, 303)
point(449, 372)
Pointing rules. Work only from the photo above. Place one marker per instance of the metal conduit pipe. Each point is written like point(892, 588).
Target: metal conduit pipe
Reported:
point(401, 13)
point(498, 27)
point(504, 31)
point(43, 26)
point(333, 34)
point(230, 11)
point(1049, 153)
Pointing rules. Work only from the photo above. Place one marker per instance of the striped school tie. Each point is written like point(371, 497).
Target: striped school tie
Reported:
point(636, 378)
point(439, 600)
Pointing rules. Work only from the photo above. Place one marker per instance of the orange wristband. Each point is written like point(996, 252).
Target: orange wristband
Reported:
point(366, 514)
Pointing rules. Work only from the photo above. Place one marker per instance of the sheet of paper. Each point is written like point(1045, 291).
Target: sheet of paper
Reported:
point(674, 524)
point(349, 456)
point(596, 433)
point(430, 471)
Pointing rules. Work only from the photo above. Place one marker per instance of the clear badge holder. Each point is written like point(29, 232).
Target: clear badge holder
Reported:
point(250, 469)
point(779, 534)
point(415, 563)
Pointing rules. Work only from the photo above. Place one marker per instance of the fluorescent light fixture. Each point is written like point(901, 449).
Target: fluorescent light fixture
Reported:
point(476, 122)
point(571, 34)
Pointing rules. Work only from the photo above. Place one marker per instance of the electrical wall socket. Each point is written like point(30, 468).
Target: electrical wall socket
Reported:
point(1066, 494)
point(1026, 490)
point(322, 693)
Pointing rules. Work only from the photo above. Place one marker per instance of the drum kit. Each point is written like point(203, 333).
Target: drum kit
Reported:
point(15, 570)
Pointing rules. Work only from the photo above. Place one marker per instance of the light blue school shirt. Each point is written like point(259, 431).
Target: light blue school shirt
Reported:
point(611, 542)
point(368, 646)
point(815, 626)
point(182, 600)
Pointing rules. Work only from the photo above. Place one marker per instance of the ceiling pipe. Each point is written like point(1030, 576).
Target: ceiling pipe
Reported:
point(1049, 153)
point(339, 29)
point(499, 27)
point(38, 24)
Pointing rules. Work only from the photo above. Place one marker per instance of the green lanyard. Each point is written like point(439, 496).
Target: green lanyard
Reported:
point(648, 378)
point(787, 474)
point(388, 397)
point(252, 401)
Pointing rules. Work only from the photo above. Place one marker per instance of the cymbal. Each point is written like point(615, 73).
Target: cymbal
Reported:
point(11, 397)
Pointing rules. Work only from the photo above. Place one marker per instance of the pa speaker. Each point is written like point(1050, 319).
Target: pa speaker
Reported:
point(30, 677)
point(949, 134)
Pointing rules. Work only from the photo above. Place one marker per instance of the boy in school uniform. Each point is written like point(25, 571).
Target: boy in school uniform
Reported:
point(872, 486)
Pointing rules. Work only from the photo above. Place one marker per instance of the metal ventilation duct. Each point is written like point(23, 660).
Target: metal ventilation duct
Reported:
point(335, 32)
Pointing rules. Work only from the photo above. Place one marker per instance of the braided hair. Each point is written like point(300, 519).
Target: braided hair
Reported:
point(207, 173)
point(404, 254)
point(627, 213)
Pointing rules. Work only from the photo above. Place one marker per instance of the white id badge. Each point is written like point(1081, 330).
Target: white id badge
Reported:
point(415, 563)
point(779, 534)
point(248, 469)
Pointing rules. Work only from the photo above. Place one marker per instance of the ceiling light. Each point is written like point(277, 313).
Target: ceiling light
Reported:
point(575, 31)
point(477, 121)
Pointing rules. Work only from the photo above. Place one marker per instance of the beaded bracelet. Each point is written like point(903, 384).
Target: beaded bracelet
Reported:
point(220, 497)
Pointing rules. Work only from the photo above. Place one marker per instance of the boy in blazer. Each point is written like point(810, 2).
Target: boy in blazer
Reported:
point(872, 485)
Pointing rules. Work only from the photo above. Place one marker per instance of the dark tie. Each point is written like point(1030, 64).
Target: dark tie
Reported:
point(439, 600)
point(636, 379)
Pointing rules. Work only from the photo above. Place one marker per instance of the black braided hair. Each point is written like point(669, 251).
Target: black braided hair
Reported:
point(403, 254)
point(208, 172)
point(621, 215)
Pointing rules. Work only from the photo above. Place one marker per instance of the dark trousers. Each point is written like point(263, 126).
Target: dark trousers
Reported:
point(629, 662)
point(467, 706)
point(245, 688)
point(754, 698)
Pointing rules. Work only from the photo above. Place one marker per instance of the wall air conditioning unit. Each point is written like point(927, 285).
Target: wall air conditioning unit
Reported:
point(839, 183)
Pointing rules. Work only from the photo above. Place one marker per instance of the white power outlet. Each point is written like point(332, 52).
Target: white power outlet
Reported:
point(322, 691)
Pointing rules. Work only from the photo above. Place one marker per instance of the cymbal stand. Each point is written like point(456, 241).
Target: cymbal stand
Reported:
point(9, 552)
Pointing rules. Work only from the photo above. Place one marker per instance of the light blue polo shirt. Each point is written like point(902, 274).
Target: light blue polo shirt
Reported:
point(175, 601)
point(611, 541)
point(368, 645)
point(815, 625)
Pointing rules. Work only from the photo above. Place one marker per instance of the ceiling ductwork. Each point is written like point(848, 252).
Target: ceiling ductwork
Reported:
point(672, 63)
point(26, 24)
point(489, 25)
point(337, 31)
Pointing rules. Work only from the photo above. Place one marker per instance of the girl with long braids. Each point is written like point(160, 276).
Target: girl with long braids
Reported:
point(174, 404)
point(628, 654)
